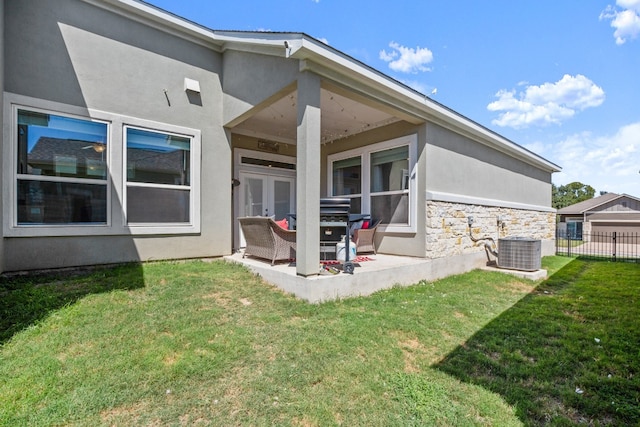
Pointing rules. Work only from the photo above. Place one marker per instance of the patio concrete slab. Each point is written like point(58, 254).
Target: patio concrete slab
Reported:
point(381, 272)
point(367, 278)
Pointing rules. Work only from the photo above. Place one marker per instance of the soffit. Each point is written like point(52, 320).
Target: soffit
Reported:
point(341, 117)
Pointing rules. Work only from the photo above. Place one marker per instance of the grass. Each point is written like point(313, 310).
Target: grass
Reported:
point(568, 352)
point(210, 344)
point(565, 243)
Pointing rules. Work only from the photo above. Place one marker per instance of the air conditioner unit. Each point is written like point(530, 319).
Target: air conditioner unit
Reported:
point(519, 253)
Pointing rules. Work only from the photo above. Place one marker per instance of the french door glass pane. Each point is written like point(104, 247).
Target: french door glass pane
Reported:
point(281, 198)
point(253, 197)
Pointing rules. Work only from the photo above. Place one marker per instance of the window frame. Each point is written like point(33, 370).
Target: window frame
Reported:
point(411, 141)
point(12, 227)
point(193, 163)
point(115, 170)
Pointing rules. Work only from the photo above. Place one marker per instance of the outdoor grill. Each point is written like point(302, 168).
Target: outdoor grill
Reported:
point(335, 222)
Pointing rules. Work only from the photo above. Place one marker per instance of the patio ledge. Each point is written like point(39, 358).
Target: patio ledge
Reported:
point(382, 272)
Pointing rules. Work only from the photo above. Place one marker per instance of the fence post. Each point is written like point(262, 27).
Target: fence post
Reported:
point(614, 246)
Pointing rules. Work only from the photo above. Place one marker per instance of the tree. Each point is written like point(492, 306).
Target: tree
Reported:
point(570, 194)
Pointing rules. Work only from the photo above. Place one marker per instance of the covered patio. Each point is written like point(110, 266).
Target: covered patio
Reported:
point(306, 122)
point(296, 130)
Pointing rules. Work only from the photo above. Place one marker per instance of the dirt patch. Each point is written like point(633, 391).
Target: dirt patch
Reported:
point(223, 299)
point(517, 287)
point(416, 354)
point(124, 415)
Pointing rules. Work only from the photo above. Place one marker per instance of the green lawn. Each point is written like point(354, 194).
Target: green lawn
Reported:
point(202, 343)
point(565, 243)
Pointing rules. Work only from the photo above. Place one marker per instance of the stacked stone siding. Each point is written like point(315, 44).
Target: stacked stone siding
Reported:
point(447, 227)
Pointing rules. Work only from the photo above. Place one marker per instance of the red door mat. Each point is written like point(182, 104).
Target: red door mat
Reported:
point(357, 259)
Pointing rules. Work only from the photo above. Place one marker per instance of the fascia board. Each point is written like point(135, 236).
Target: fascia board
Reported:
point(160, 19)
point(631, 197)
point(619, 196)
point(259, 42)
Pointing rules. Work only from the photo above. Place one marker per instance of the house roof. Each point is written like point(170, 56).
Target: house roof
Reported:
point(326, 61)
point(591, 204)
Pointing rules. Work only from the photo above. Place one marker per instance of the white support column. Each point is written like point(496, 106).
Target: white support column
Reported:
point(4, 195)
point(308, 176)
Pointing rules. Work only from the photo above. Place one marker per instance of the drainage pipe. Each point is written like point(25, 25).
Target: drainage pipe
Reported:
point(490, 248)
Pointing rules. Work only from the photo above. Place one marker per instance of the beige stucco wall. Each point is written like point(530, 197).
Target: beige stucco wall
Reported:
point(459, 165)
point(249, 79)
point(79, 55)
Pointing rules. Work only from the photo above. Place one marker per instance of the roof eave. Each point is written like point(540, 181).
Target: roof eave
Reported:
point(413, 102)
point(318, 56)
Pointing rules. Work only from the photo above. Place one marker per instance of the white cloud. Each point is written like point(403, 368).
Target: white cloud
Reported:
point(547, 103)
point(407, 60)
point(607, 163)
point(626, 21)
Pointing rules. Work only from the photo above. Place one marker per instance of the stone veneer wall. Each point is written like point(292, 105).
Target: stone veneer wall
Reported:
point(447, 227)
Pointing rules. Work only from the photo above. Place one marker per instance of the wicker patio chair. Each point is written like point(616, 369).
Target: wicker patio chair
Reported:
point(365, 238)
point(266, 239)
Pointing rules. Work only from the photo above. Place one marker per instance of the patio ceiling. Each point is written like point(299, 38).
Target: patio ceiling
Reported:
point(342, 116)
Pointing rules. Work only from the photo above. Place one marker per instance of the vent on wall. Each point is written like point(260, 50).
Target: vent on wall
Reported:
point(519, 253)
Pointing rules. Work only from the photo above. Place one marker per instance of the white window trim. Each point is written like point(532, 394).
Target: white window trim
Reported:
point(116, 180)
point(365, 154)
point(194, 163)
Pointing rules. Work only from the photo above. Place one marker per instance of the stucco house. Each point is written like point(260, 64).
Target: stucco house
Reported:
point(607, 213)
point(131, 134)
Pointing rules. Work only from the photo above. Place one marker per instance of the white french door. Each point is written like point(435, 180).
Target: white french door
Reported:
point(266, 195)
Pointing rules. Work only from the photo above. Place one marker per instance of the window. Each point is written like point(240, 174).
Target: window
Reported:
point(390, 185)
point(347, 181)
point(379, 181)
point(81, 172)
point(158, 169)
point(61, 169)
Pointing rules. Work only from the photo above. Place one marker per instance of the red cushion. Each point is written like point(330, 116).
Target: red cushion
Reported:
point(283, 223)
point(365, 225)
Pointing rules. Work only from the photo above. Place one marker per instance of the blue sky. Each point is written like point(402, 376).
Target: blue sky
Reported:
point(561, 78)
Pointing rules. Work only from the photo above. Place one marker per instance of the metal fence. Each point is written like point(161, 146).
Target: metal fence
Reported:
point(614, 246)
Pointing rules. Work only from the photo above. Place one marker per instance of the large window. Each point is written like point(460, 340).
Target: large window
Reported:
point(378, 179)
point(76, 172)
point(61, 169)
point(158, 177)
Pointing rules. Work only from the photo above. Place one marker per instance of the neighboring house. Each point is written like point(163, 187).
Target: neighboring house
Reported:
point(608, 213)
point(132, 134)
